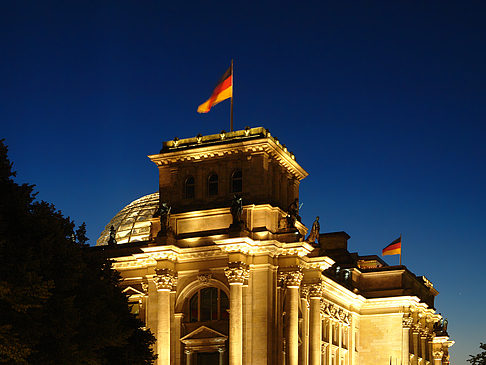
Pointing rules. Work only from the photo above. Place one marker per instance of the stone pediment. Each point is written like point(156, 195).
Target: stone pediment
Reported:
point(202, 333)
point(131, 291)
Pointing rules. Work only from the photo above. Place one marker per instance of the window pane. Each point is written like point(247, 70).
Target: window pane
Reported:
point(236, 182)
point(189, 188)
point(193, 308)
point(135, 308)
point(206, 304)
point(224, 305)
point(213, 185)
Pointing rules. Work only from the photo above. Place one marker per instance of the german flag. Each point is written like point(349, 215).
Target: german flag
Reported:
point(222, 91)
point(394, 248)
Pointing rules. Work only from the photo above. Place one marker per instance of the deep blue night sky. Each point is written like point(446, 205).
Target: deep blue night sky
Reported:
point(382, 102)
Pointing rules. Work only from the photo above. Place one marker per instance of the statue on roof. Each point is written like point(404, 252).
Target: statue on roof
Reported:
point(163, 212)
point(112, 239)
point(293, 213)
point(164, 217)
point(314, 232)
point(236, 208)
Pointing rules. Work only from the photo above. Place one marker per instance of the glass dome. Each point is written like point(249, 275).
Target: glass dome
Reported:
point(132, 222)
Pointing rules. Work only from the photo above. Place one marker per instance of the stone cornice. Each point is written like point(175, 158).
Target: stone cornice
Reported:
point(265, 144)
point(244, 245)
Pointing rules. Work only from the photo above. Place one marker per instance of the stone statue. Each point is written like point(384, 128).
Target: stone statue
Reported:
point(236, 208)
point(164, 214)
point(314, 232)
point(112, 239)
point(293, 213)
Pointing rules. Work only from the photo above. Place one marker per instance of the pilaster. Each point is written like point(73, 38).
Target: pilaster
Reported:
point(236, 273)
point(315, 294)
point(165, 280)
point(292, 282)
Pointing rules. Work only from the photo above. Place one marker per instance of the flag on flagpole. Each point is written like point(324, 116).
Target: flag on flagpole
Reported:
point(394, 248)
point(222, 91)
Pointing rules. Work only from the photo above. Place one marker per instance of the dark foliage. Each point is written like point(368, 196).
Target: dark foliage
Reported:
point(479, 359)
point(60, 302)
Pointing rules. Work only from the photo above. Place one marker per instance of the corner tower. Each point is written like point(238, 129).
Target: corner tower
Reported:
point(204, 173)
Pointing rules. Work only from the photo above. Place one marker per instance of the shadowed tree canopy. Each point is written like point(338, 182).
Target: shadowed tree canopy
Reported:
point(479, 359)
point(59, 300)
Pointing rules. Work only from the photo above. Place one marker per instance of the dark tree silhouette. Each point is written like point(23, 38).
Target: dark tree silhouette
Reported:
point(479, 359)
point(60, 302)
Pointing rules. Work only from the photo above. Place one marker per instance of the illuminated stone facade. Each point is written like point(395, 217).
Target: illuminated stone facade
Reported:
point(220, 283)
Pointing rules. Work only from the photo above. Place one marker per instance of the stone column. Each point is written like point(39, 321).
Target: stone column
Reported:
point(304, 293)
point(330, 336)
point(423, 344)
point(280, 316)
point(178, 317)
point(221, 351)
point(415, 334)
point(315, 294)
point(188, 357)
point(292, 282)
point(237, 273)
point(165, 280)
point(406, 324)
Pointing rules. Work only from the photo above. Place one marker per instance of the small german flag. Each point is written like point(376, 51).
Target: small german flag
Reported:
point(222, 91)
point(394, 248)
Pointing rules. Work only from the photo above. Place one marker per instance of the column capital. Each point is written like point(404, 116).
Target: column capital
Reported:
point(293, 278)
point(407, 321)
point(304, 291)
point(165, 279)
point(438, 354)
point(237, 273)
point(188, 352)
point(315, 290)
point(221, 349)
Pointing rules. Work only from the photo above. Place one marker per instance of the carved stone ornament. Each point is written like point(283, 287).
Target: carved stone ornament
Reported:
point(438, 354)
point(165, 279)
point(324, 308)
point(407, 322)
point(145, 287)
point(304, 291)
point(204, 278)
point(293, 278)
point(280, 279)
point(315, 291)
point(237, 273)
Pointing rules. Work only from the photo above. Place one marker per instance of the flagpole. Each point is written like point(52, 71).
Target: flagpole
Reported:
point(232, 91)
point(400, 247)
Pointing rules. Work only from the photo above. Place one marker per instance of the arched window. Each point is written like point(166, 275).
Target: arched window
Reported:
point(189, 188)
point(237, 181)
point(213, 185)
point(208, 304)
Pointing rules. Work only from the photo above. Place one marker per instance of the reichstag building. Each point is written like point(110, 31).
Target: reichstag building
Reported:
point(220, 268)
